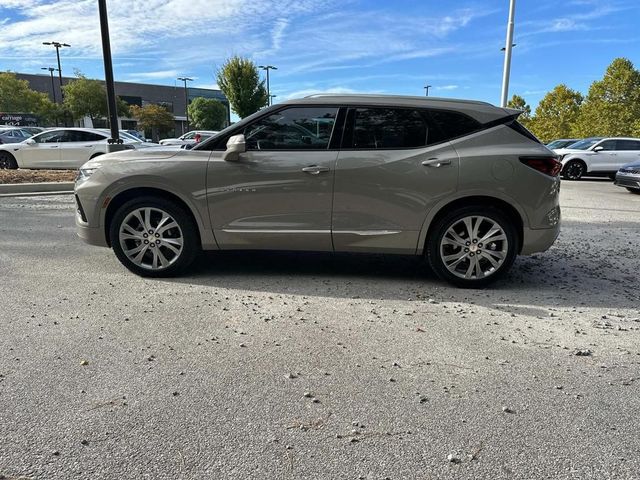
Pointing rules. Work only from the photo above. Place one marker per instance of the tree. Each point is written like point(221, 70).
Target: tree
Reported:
point(612, 107)
point(155, 118)
point(239, 81)
point(519, 103)
point(556, 114)
point(207, 114)
point(17, 97)
point(86, 97)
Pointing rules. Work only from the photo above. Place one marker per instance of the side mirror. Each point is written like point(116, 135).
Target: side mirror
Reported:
point(598, 148)
point(30, 141)
point(235, 146)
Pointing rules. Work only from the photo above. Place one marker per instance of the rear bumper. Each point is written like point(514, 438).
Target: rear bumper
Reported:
point(539, 240)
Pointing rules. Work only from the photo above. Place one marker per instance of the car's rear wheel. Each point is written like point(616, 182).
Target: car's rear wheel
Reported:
point(154, 237)
point(634, 190)
point(574, 170)
point(472, 246)
point(7, 161)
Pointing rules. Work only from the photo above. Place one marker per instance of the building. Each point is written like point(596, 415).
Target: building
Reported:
point(141, 94)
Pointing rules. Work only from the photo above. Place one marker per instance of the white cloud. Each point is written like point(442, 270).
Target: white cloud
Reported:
point(447, 87)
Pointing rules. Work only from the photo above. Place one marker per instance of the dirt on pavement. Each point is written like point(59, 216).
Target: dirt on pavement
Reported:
point(36, 176)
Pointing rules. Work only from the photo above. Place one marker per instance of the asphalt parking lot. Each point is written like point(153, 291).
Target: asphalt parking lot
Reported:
point(277, 366)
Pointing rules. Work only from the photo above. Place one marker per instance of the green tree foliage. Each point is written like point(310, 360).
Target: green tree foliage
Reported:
point(239, 81)
point(519, 103)
point(86, 97)
point(155, 118)
point(556, 114)
point(207, 114)
point(17, 97)
point(612, 107)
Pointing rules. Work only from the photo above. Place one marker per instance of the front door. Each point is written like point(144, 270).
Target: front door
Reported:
point(278, 194)
point(45, 152)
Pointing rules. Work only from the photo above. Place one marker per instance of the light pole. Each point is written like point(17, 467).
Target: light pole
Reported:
point(271, 97)
point(58, 46)
point(267, 68)
point(186, 98)
point(427, 87)
point(507, 54)
point(53, 87)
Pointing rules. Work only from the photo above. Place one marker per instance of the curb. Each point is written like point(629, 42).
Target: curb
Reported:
point(46, 188)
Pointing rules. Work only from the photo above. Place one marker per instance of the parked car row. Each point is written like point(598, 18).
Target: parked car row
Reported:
point(190, 138)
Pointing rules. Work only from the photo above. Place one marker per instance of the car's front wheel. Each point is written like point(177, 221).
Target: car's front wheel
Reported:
point(472, 246)
point(574, 170)
point(634, 190)
point(154, 237)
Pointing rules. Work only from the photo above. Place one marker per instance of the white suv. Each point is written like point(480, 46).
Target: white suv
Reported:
point(596, 155)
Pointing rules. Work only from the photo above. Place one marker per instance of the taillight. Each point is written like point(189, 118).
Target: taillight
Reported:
point(547, 165)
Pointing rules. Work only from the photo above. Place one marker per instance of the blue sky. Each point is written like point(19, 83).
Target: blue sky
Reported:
point(393, 46)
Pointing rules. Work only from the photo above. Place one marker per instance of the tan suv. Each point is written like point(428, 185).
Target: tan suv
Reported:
point(460, 182)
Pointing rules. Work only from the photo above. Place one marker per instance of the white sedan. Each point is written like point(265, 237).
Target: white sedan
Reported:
point(61, 148)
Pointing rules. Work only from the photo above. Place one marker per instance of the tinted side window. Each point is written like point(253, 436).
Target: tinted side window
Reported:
point(50, 137)
point(453, 124)
point(292, 129)
point(628, 145)
point(608, 145)
point(79, 136)
point(376, 128)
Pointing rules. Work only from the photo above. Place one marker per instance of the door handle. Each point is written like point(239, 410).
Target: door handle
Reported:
point(436, 162)
point(315, 169)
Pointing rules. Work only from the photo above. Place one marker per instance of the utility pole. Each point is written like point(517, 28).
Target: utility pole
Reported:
point(58, 46)
point(186, 98)
point(427, 87)
point(507, 54)
point(267, 68)
point(114, 143)
point(53, 87)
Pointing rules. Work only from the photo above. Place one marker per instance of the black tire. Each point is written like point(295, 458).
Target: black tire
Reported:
point(95, 155)
point(186, 228)
point(453, 218)
point(634, 190)
point(574, 170)
point(612, 176)
point(7, 161)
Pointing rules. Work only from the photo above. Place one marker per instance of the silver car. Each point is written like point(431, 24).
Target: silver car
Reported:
point(459, 182)
point(629, 177)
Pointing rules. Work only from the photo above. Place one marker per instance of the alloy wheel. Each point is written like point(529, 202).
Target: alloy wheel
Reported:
point(575, 170)
point(151, 238)
point(474, 247)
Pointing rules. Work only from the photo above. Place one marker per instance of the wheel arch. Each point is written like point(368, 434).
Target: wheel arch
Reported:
point(473, 201)
point(122, 197)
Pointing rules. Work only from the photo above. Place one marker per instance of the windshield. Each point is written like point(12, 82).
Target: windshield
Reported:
point(584, 144)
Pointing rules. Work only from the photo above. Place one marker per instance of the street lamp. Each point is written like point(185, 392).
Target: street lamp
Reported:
point(271, 97)
point(507, 54)
point(267, 68)
point(186, 98)
point(53, 87)
point(58, 46)
point(427, 87)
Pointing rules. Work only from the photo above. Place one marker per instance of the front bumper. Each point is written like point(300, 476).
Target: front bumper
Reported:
point(91, 235)
point(627, 180)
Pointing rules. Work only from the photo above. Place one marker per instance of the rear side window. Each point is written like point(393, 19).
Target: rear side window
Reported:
point(80, 136)
point(453, 124)
point(388, 128)
point(628, 145)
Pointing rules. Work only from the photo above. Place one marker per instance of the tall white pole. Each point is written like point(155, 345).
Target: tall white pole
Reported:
point(507, 54)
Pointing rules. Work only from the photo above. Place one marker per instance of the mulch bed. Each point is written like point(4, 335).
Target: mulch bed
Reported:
point(36, 176)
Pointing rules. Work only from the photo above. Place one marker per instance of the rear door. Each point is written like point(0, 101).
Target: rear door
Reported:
point(78, 146)
point(394, 165)
point(628, 151)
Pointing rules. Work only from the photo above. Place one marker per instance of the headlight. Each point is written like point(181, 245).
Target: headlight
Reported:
point(85, 173)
